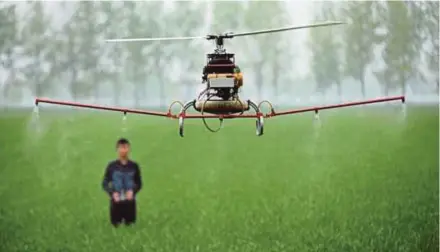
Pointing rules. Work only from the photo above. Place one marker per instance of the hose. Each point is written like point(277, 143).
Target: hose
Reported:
point(171, 106)
point(204, 120)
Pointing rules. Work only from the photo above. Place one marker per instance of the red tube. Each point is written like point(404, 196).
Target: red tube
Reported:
point(225, 116)
point(348, 104)
point(82, 105)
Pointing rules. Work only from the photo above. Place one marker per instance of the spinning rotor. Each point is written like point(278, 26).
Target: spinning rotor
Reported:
point(219, 38)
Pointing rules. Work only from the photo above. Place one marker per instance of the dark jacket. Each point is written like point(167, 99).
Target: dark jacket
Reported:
point(119, 177)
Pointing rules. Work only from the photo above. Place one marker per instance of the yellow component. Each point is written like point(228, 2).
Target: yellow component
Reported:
point(221, 107)
point(238, 77)
point(214, 76)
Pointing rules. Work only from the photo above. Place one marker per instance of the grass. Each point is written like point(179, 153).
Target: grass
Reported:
point(365, 180)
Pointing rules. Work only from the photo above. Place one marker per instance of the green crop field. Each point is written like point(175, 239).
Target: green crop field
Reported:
point(361, 180)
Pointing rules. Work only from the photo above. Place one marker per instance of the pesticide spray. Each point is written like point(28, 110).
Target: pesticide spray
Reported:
point(316, 125)
point(35, 128)
point(404, 112)
point(124, 123)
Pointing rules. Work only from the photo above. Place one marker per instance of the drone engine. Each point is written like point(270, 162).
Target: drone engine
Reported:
point(223, 80)
point(222, 76)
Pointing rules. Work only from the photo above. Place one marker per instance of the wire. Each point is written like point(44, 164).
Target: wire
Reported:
point(204, 120)
point(208, 95)
point(205, 91)
point(272, 111)
point(171, 106)
point(220, 119)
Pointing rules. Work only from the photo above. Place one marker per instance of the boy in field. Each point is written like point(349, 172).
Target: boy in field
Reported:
point(122, 180)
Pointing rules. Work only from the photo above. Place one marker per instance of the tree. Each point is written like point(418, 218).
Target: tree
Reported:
point(226, 20)
point(418, 18)
point(89, 49)
point(136, 61)
point(8, 30)
point(326, 52)
point(113, 27)
point(35, 38)
point(75, 55)
point(188, 20)
point(159, 52)
point(360, 38)
point(399, 54)
point(318, 63)
point(432, 26)
point(273, 56)
point(8, 46)
point(69, 57)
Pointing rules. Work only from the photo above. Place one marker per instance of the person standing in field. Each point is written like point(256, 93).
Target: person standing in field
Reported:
point(122, 181)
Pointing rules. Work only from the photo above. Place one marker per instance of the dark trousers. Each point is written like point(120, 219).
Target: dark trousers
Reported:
point(123, 211)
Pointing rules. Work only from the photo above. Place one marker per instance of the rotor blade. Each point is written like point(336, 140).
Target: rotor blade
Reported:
point(286, 28)
point(153, 39)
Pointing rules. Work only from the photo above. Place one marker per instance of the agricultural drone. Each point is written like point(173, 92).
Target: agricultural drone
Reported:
point(223, 79)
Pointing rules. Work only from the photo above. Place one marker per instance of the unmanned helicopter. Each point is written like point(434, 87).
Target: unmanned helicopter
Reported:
point(223, 80)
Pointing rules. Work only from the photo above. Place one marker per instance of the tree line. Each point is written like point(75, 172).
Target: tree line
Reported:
point(46, 56)
point(402, 34)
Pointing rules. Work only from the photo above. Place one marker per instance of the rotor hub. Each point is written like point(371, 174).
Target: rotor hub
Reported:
point(219, 41)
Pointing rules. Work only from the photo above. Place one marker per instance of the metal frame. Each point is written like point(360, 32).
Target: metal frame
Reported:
point(220, 52)
point(182, 116)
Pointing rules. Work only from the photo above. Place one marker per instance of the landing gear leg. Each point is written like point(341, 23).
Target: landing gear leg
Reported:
point(182, 115)
point(259, 123)
point(181, 125)
point(260, 126)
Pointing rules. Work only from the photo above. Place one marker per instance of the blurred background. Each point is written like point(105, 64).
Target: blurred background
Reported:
point(57, 50)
